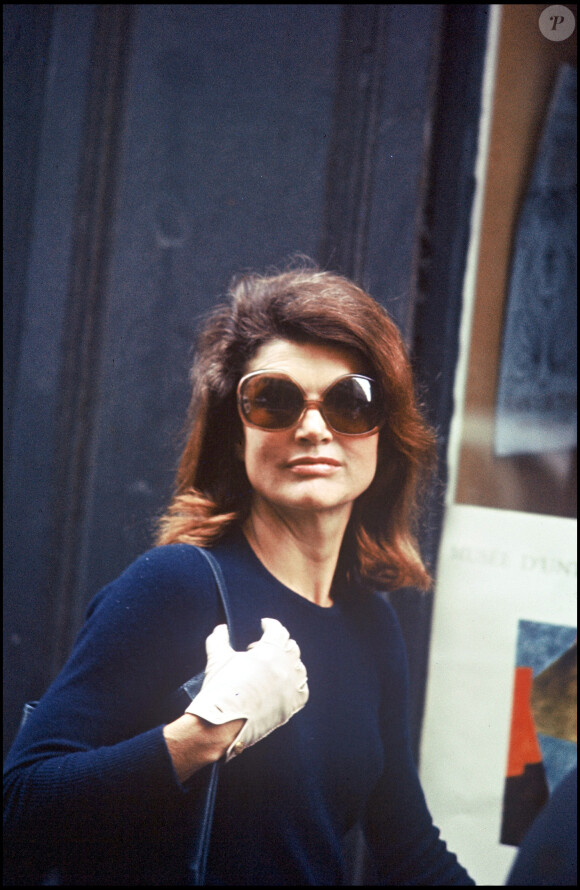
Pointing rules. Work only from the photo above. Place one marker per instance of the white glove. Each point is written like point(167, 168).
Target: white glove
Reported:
point(266, 685)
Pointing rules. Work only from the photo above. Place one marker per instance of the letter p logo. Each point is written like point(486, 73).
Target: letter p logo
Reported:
point(557, 22)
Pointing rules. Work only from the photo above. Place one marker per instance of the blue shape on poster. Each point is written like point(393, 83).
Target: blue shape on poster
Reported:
point(537, 394)
point(541, 644)
point(559, 757)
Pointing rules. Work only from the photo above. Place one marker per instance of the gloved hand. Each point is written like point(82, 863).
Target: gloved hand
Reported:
point(266, 685)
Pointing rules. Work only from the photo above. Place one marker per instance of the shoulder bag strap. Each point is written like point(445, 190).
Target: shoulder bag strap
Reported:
point(222, 590)
point(203, 814)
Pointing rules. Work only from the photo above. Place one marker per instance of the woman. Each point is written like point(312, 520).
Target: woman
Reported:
point(301, 473)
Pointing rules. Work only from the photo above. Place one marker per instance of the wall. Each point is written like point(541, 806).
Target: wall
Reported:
point(153, 151)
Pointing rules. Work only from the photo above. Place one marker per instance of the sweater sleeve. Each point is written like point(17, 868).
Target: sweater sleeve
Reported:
point(92, 756)
point(404, 842)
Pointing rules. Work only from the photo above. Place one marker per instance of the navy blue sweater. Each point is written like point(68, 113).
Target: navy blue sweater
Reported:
point(90, 786)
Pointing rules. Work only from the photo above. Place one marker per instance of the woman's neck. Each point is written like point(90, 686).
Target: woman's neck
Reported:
point(300, 550)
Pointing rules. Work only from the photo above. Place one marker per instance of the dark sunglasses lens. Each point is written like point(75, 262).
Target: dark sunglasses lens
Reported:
point(353, 405)
point(272, 403)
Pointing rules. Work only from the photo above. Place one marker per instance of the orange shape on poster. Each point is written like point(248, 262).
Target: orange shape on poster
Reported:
point(524, 747)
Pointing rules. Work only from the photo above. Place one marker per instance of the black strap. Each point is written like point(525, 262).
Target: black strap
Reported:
point(188, 690)
point(203, 814)
point(222, 590)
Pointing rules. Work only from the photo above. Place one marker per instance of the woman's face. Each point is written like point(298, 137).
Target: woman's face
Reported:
point(309, 467)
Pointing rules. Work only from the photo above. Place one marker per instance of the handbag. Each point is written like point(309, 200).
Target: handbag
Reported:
point(202, 812)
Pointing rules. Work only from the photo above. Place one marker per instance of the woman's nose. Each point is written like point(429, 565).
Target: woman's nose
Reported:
point(313, 426)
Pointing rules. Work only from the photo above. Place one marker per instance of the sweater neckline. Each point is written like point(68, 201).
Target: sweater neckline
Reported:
point(241, 543)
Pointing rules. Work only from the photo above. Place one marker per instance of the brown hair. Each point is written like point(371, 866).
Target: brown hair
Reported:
point(303, 305)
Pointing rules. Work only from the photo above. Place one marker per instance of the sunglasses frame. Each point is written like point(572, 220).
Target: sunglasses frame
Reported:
point(307, 403)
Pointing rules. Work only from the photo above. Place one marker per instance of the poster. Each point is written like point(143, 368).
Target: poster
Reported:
point(500, 718)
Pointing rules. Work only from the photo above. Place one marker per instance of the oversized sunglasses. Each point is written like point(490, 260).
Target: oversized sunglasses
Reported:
point(271, 400)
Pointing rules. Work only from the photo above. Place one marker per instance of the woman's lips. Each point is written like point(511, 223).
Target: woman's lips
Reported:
point(308, 466)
